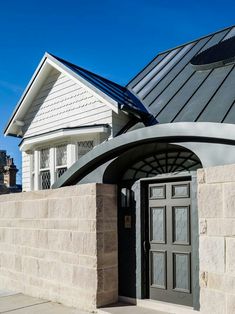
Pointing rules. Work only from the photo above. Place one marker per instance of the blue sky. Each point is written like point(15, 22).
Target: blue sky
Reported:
point(112, 38)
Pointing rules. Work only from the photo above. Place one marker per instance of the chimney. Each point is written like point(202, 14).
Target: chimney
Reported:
point(10, 171)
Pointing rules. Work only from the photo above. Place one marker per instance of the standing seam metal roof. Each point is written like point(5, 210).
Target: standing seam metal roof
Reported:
point(174, 91)
point(125, 98)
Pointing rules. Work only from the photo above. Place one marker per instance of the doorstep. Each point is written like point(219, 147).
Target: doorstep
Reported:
point(145, 306)
point(165, 307)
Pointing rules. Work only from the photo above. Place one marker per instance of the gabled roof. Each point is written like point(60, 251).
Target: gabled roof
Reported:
point(126, 100)
point(175, 90)
point(112, 94)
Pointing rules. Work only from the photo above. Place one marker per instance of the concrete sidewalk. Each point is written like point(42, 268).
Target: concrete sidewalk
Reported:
point(12, 303)
point(18, 303)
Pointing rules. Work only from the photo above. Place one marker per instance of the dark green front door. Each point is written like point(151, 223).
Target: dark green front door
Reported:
point(170, 242)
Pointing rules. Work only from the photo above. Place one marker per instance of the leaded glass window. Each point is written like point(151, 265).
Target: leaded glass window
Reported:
point(45, 176)
point(61, 155)
point(45, 158)
point(61, 160)
point(84, 147)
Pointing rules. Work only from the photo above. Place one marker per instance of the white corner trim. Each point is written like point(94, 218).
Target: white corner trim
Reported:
point(29, 143)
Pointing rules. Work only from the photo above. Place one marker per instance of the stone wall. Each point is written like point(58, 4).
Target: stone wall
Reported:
point(216, 206)
point(61, 244)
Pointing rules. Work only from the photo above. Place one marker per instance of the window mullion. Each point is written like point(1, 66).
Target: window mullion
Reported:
point(36, 170)
point(52, 164)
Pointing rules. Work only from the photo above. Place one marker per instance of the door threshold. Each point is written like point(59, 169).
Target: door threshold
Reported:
point(165, 306)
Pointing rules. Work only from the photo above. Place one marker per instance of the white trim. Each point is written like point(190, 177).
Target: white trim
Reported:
point(52, 165)
point(45, 66)
point(71, 154)
point(36, 170)
point(29, 143)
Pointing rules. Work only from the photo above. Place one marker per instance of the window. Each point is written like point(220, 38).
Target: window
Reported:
point(61, 160)
point(84, 147)
point(45, 176)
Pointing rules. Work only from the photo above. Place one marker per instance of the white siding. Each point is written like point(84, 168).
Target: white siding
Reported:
point(25, 172)
point(63, 103)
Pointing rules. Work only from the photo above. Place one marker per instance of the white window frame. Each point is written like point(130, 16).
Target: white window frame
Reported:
point(58, 167)
point(32, 171)
point(47, 168)
point(72, 157)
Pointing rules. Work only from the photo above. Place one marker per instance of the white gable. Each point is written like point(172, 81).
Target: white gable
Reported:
point(62, 102)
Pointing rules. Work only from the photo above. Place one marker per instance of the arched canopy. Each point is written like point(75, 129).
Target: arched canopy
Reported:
point(185, 132)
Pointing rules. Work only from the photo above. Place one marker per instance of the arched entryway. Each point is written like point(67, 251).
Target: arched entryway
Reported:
point(150, 179)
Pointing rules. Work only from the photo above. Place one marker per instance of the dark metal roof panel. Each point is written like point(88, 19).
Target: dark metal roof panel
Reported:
point(174, 91)
point(125, 98)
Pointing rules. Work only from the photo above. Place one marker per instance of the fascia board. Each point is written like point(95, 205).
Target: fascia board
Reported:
point(25, 92)
point(39, 139)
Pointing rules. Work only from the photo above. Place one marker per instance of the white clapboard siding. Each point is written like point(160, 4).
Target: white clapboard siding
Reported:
point(63, 103)
point(25, 172)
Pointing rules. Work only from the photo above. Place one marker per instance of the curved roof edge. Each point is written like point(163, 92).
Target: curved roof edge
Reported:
point(176, 132)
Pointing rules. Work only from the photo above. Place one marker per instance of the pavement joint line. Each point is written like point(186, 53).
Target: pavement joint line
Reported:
point(23, 307)
point(9, 295)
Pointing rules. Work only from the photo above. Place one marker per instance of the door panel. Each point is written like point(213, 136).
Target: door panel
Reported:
point(170, 242)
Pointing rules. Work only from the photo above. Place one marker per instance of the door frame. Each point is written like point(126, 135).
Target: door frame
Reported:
point(142, 263)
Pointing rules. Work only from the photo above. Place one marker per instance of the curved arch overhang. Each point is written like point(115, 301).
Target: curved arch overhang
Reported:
point(188, 132)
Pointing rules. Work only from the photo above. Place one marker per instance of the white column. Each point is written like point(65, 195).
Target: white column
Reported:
point(52, 165)
point(71, 154)
point(36, 170)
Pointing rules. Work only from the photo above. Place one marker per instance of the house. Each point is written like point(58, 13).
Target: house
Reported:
point(63, 113)
point(151, 139)
point(8, 171)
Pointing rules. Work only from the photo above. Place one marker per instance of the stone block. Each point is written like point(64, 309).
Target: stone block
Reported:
point(84, 207)
point(110, 242)
point(220, 174)
point(110, 279)
point(230, 304)
point(221, 227)
point(106, 298)
point(30, 266)
point(110, 206)
point(106, 189)
point(212, 254)
point(107, 260)
point(60, 208)
point(34, 209)
point(212, 301)
point(221, 282)
point(229, 200)
point(77, 242)
point(230, 255)
point(90, 244)
point(210, 201)
point(10, 209)
point(85, 278)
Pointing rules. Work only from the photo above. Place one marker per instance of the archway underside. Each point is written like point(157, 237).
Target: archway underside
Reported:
point(150, 160)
